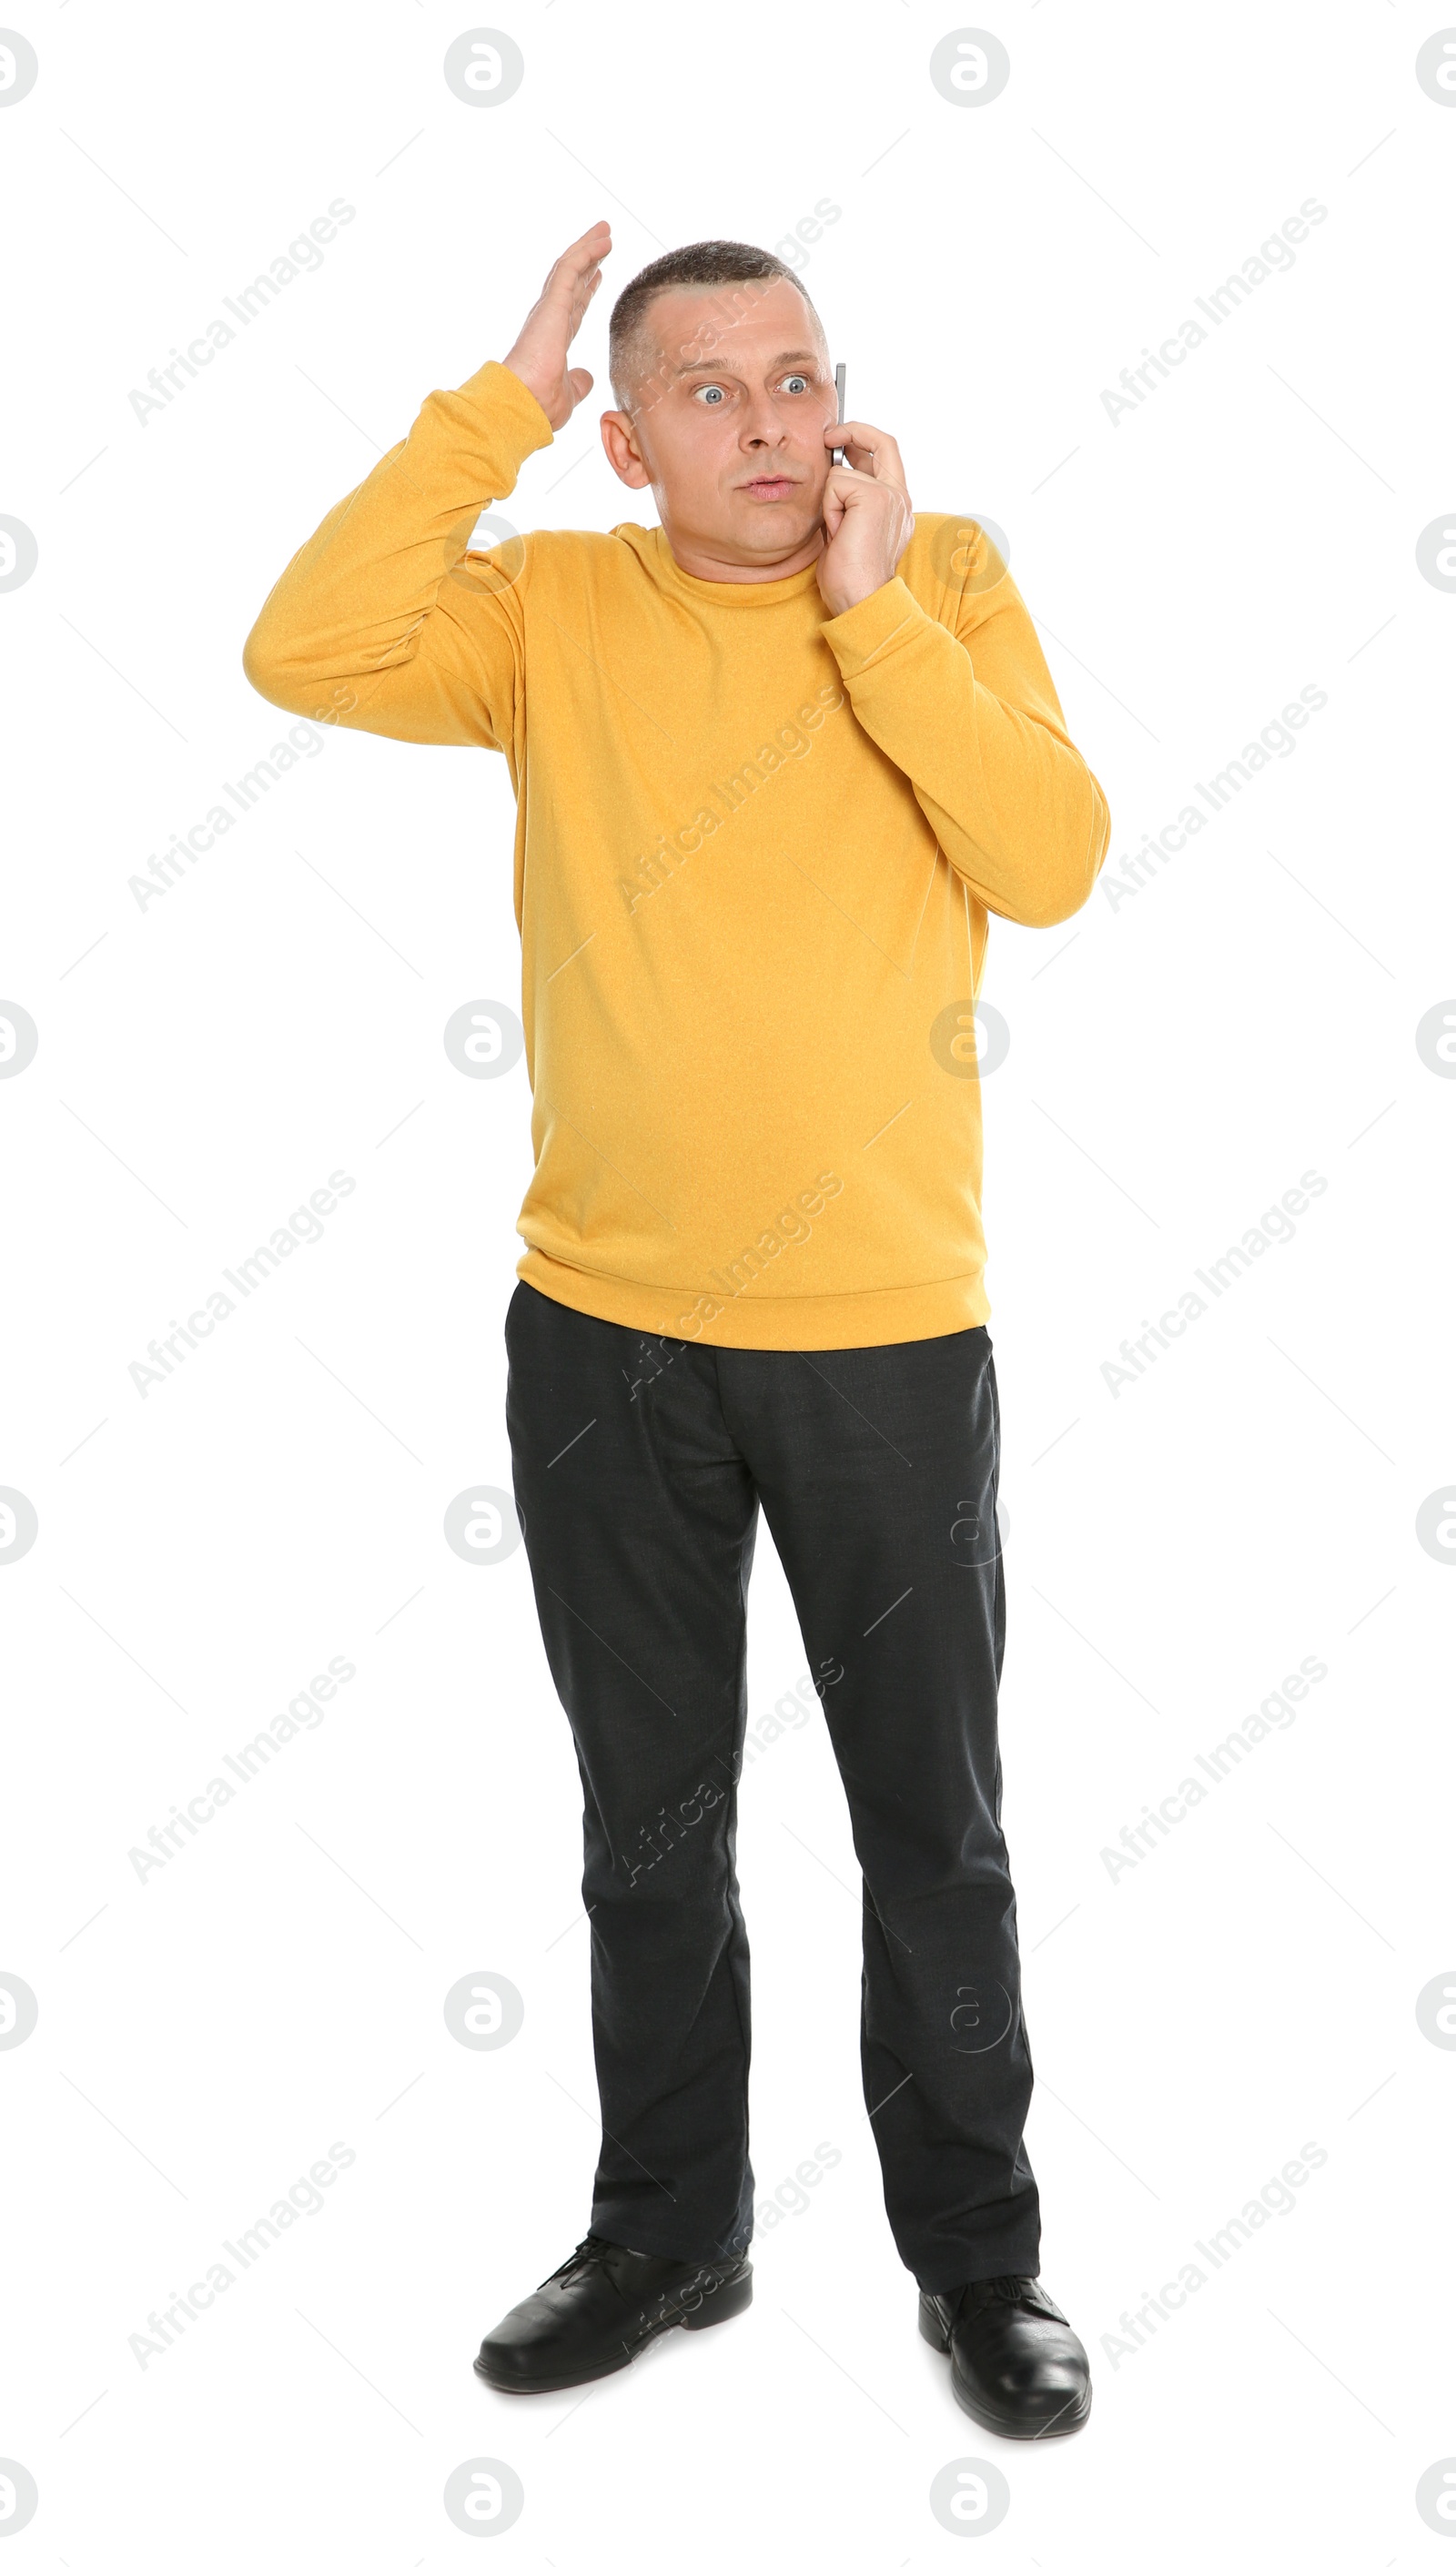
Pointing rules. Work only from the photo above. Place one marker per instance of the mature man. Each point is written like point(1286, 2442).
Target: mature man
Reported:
point(775, 761)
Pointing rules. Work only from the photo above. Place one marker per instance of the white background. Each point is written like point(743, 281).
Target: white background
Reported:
point(1177, 1061)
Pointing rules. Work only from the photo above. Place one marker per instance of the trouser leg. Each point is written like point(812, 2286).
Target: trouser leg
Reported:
point(639, 1520)
point(877, 1469)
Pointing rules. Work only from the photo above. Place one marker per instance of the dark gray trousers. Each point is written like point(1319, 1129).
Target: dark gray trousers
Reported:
point(639, 1465)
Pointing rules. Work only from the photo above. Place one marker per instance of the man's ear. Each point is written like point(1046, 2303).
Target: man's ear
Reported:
point(623, 454)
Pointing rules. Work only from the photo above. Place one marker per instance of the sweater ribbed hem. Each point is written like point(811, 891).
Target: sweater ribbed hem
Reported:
point(796, 1323)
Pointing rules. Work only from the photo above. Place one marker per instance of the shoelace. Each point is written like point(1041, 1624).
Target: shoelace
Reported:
point(1014, 2289)
point(581, 2259)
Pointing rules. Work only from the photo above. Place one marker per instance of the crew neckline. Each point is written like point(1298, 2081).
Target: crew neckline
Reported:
point(728, 592)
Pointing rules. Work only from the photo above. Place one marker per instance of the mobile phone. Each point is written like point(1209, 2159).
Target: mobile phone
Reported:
point(838, 450)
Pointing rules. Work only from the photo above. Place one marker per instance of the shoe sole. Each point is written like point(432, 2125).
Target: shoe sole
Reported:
point(1067, 2419)
point(730, 2302)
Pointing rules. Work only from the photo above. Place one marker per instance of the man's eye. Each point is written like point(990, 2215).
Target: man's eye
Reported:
point(712, 395)
point(795, 384)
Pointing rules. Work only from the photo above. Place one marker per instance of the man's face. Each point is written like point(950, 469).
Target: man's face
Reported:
point(726, 425)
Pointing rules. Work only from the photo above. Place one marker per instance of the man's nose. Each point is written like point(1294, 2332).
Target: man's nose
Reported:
point(763, 426)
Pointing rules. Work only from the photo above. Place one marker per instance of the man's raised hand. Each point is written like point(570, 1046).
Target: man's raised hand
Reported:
point(540, 352)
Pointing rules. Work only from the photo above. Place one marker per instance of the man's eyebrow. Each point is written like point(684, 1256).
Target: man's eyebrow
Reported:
point(789, 357)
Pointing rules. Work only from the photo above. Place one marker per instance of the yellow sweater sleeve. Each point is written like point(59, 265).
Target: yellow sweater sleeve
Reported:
point(379, 621)
point(971, 717)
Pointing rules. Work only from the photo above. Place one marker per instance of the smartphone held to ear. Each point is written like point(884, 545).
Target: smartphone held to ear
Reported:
point(837, 452)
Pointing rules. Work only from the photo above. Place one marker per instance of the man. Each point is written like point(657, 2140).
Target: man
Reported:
point(775, 762)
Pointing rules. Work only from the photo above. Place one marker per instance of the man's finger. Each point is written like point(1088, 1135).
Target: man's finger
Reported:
point(858, 432)
point(570, 284)
point(849, 483)
point(586, 252)
point(878, 453)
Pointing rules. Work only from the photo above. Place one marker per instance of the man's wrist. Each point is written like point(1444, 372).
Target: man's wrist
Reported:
point(846, 605)
point(538, 391)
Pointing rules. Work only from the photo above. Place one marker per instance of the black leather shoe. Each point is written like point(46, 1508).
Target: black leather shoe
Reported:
point(1016, 2365)
point(596, 2312)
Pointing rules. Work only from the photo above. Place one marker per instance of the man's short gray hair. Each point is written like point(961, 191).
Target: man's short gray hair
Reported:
point(734, 266)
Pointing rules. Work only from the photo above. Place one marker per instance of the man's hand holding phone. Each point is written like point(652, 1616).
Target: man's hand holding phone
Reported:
point(868, 520)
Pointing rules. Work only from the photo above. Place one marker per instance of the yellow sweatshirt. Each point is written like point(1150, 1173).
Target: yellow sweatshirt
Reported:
point(755, 846)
